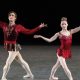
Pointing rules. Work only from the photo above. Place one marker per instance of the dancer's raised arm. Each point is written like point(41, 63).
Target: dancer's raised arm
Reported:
point(75, 30)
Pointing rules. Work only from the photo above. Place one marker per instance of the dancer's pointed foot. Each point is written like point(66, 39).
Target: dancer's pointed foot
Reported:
point(53, 78)
point(28, 77)
point(3, 79)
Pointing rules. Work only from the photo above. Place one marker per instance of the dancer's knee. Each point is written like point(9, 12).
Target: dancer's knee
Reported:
point(68, 71)
point(24, 62)
point(7, 64)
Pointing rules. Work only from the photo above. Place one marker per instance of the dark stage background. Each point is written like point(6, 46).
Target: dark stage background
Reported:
point(41, 58)
point(32, 13)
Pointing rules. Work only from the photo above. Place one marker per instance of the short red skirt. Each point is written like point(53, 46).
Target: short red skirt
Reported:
point(66, 53)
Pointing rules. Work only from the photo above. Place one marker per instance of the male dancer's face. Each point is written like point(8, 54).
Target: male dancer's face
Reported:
point(12, 17)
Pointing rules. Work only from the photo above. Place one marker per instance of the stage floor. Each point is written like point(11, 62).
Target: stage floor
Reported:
point(41, 60)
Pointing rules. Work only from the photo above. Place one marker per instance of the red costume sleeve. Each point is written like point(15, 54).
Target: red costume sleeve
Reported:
point(22, 29)
point(2, 24)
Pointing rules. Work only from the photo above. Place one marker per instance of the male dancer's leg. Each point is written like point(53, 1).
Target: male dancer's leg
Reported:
point(9, 60)
point(25, 65)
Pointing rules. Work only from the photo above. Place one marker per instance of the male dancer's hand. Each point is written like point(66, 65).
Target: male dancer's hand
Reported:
point(43, 25)
point(19, 46)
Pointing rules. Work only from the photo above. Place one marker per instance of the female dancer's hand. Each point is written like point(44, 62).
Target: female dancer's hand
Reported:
point(42, 25)
point(37, 36)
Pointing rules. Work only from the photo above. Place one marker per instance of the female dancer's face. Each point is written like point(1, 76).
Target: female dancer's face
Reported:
point(12, 17)
point(64, 24)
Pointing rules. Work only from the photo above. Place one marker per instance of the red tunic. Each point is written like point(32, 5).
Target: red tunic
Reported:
point(65, 48)
point(11, 33)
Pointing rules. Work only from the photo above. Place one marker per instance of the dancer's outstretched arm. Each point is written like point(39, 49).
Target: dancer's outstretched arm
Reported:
point(24, 30)
point(48, 39)
point(75, 30)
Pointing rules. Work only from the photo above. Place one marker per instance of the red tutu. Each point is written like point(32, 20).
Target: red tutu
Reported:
point(65, 53)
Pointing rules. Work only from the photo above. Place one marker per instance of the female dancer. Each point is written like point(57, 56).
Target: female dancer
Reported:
point(11, 32)
point(64, 51)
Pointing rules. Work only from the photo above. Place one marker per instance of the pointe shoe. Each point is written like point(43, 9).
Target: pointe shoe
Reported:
point(31, 77)
point(53, 78)
point(3, 79)
point(71, 79)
